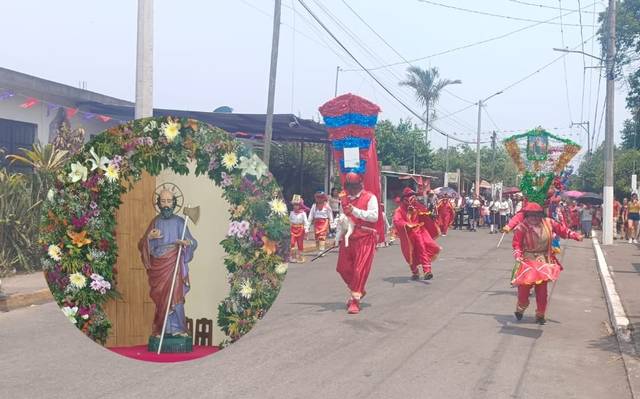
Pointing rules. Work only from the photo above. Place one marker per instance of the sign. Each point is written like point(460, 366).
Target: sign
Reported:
point(452, 177)
point(351, 157)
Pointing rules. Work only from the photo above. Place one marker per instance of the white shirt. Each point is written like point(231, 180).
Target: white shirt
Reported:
point(371, 213)
point(324, 213)
point(504, 208)
point(299, 218)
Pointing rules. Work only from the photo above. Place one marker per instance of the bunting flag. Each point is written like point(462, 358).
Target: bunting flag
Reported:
point(30, 102)
point(351, 122)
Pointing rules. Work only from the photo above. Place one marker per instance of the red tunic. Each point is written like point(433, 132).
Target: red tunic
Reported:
point(417, 245)
point(446, 215)
point(354, 261)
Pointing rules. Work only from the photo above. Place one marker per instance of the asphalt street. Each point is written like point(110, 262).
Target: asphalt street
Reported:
point(452, 337)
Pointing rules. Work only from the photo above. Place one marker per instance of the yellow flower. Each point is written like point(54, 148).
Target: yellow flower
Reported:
point(79, 239)
point(171, 130)
point(111, 173)
point(230, 160)
point(77, 279)
point(54, 252)
point(278, 207)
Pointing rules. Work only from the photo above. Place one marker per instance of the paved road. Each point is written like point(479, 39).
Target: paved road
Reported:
point(453, 337)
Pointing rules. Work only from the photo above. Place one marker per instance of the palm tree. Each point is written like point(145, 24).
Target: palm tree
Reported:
point(428, 86)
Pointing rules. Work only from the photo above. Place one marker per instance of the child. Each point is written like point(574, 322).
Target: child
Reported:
point(322, 217)
point(299, 228)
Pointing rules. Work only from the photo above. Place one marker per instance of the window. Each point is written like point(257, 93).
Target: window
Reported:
point(13, 136)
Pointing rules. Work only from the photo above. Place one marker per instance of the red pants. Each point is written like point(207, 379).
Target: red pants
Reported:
point(321, 228)
point(425, 249)
point(541, 297)
point(354, 261)
point(297, 236)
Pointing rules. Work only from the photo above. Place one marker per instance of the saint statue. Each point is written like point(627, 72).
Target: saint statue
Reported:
point(159, 251)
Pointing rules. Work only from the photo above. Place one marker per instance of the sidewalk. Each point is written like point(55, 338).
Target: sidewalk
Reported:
point(23, 290)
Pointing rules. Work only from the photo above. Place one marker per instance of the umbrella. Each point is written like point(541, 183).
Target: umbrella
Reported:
point(510, 190)
point(445, 191)
point(590, 198)
point(572, 194)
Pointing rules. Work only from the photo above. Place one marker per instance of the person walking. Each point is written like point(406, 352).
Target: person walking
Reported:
point(586, 220)
point(634, 218)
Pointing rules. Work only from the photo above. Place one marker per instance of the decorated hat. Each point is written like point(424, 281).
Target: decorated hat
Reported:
point(407, 192)
point(320, 195)
point(533, 207)
point(297, 199)
point(352, 178)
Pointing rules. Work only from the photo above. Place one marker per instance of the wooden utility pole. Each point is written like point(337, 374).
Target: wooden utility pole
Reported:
point(268, 129)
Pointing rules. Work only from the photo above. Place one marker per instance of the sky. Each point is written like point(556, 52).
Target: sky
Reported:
point(213, 53)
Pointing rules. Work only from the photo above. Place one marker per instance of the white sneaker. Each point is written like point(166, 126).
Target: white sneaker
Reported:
point(630, 241)
point(635, 241)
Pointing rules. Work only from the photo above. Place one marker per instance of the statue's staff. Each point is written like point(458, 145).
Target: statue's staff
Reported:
point(194, 215)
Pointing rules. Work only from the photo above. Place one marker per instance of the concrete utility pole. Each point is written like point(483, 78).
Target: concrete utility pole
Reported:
point(477, 191)
point(607, 195)
point(446, 165)
point(493, 156)
point(144, 60)
point(268, 129)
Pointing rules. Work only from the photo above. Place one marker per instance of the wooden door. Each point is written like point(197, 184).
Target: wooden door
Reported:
point(133, 314)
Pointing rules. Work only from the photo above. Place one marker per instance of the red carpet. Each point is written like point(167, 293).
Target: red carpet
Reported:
point(140, 352)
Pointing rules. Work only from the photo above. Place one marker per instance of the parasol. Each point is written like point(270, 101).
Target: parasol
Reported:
point(510, 190)
point(445, 191)
point(590, 198)
point(572, 194)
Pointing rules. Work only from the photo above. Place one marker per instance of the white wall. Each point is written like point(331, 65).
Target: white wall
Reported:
point(208, 274)
point(10, 109)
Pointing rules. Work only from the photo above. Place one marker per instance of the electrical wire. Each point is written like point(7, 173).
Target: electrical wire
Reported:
point(387, 90)
point(490, 118)
point(491, 14)
point(545, 6)
point(466, 46)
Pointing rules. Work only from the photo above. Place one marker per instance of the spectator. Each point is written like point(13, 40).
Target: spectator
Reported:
point(504, 213)
point(634, 218)
point(459, 206)
point(617, 221)
point(494, 208)
point(624, 216)
point(586, 220)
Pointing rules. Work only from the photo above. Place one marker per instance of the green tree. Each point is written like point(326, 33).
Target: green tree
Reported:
point(427, 86)
point(630, 135)
point(285, 167)
point(397, 144)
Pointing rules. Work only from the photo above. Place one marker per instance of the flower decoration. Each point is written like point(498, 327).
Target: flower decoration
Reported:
point(170, 130)
point(253, 166)
point(78, 172)
point(79, 219)
point(78, 280)
point(54, 252)
point(278, 207)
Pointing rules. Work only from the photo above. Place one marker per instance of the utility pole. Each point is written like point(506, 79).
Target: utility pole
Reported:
point(588, 130)
point(446, 165)
point(268, 129)
point(493, 156)
point(335, 92)
point(144, 60)
point(477, 191)
point(607, 214)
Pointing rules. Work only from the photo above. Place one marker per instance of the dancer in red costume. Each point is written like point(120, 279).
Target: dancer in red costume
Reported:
point(321, 216)
point(354, 261)
point(446, 214)
point(536, 261)
point(417, 245)
point(299, 229)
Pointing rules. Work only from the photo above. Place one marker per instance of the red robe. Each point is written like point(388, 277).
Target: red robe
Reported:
point(354, 261)
point(417, 245)
point(446, 215)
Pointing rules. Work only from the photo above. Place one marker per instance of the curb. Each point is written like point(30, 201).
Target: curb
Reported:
point(620, 322)
point(16, 301)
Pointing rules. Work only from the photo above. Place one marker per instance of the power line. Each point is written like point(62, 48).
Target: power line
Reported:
point(458, 97)
point(491, 119)
point(545, 6)
point(491, 14)
point(315, 17)
point(463, 47)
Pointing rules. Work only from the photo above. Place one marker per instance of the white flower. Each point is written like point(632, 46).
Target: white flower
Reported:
point(70, 313)
point(278, 207)
point(77, 280)
point(54, 252)
point(171, 130)
point(50, 195)
point(253, 166)
point(282, 268)
point(98, 162)
point(246, 290)
point(230, 160)
point(78, 172)
point(151, 126)
point(111, 173)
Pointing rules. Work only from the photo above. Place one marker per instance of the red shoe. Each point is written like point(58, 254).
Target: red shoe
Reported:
point(354, 306)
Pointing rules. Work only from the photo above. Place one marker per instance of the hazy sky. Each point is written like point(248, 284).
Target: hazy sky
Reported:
point(213, 53)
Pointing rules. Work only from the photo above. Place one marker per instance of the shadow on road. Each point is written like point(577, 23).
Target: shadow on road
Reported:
point(403, 280)
point(330, 306)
